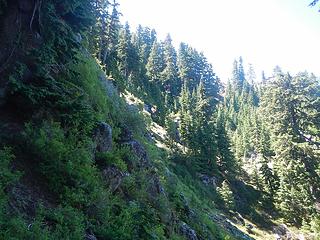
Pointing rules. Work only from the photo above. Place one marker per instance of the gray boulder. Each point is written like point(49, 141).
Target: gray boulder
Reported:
point(90, 237)
point(155, 186)
point(113, 177)
point(188, 232)
point(229, 227)
point(207, 180)
point(103, 137)
point(126, 134)
point(140, 153)
point(108, 85)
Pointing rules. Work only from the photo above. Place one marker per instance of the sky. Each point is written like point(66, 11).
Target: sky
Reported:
point(265, 33)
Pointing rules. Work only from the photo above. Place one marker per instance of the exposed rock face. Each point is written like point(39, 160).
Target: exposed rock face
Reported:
point(103, 137)
point(188, 211)
point(126, 134)
point(188, 232)
point(282, 232)
point(139, 151)
point(113, 177)
point(108, 85)
point(155, 187)
point(90, 237)
point(207, 180)
point(229, 227)
point(147, 108)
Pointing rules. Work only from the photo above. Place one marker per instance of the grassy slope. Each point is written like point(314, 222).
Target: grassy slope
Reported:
point(51, 160)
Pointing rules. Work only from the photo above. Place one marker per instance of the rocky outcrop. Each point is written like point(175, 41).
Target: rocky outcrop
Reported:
point(90, 237)
point(140, 154)
point(126, 134)
point(185, 204)
point(207, 180)
point(188, 232)
point(282, 232)
point(103, 137)
point(155, 187)
point(113, 177)
point(229, 227)
point(108, 85)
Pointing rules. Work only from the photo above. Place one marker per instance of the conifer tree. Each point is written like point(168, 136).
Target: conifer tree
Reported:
point(185, 118)
point(169, 75)
point(98, 34)
point(155, 63)
point(112, 33)
point(291, 104)
point(226, 162)
point(126, 53)
point(227, 195)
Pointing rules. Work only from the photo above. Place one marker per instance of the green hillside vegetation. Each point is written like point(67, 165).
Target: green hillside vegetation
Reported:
point(109, 133)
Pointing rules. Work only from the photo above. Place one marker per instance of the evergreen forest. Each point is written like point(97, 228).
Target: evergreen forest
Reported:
point(109, 132)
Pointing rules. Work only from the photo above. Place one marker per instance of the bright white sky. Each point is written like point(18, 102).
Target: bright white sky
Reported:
point(264, 32)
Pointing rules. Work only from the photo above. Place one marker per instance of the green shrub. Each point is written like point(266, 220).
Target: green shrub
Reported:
point(88, 73)
point(66, 223)
point(114, 158)
point(65, 161)
point(227, 195)
point(12, 226)
point(116, 220)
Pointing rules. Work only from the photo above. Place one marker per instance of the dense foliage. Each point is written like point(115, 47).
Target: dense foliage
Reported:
point(247, 147)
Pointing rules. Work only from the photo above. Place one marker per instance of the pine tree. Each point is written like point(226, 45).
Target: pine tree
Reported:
point(112, 32)
point(155, 64)
point(251, 75)
point(169, 75)
point(225, 159)
point(238, 74)
point(98, 33)
point(227, 195)
point(126, 53)
point(270, 180)
point(184, 60)
point(185, 119)
point(290, 105)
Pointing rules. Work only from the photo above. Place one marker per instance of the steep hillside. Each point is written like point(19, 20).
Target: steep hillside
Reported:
point(108, 134)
